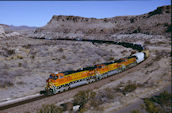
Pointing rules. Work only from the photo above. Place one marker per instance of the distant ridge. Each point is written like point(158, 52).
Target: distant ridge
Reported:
point(157, 22)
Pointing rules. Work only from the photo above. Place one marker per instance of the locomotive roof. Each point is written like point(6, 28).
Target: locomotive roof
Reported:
point(93, 67)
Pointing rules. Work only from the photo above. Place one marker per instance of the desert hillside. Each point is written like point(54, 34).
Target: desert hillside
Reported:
point(156, 22)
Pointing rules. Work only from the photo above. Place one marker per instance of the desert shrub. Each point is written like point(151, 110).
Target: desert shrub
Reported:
point(132, 20)
point(6, 83)
point(162, 99)
point(159, 103)
point(60, 50)
point(104, 96)
point(109, 93)
point(124, 51)
point(82, 97)
point(150, 106)
point(127, 88)
point(27, 112)
point(165, 24)
point(111, 59)
point(148, 42)
point(138, 30)
point(159, 43)
point(33, 57)
point(64, 106)
point(20, 82)
point(28, 46)
point(63, 57)
point(50, 109)
point(169, 28)
point(19, 57)
point(19, 64)
point(10, 52)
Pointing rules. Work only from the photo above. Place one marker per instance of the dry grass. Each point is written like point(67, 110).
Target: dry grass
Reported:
point(50, 109)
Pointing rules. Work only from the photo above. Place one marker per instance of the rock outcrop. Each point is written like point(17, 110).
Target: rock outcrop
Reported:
point(156, 22)
point(2, 32)
point(6, 34)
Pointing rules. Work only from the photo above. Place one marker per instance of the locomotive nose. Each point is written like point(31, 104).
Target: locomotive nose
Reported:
point(48, 80)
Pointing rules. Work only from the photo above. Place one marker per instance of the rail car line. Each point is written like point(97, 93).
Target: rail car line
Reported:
point(107, 80)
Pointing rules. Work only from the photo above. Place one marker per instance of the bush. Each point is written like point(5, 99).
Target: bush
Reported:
point(129, 88)
point(19, 64)
point(109, 93)
point(28, 46)
point(33, 57)
point(138, 30)
point(158, 104)
point(60, 50)
point(126, 88)
point(63, 57)
point(162, 99)
point(4, 84)
point(147, 42)
point(82, 97)
point(132, 20)
point(150, 106)
point(169, 28)
point(19, 57)
point(10, 52)
point(50, 109)
point(111, 59)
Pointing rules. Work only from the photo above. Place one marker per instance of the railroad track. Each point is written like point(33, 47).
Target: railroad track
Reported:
point(34, 104)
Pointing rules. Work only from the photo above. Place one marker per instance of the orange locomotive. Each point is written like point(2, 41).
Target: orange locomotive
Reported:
point(58, 82)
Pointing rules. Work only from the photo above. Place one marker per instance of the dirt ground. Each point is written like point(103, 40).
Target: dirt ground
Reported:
point(26, 63)
point(154, 76)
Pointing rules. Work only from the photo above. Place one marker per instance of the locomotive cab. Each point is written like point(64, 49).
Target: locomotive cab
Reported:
point(53, 76)
point(56, 76)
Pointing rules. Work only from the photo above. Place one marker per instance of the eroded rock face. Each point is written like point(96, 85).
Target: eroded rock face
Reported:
point(13, 34)
point(2, 32)
point(156, 22)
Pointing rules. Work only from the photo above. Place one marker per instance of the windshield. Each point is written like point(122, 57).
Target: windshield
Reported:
point(54, 77)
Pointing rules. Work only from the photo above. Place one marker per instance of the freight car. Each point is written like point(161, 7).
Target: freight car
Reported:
point(59, 82)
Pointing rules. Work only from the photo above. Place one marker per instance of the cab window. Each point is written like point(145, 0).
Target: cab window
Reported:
point(61, 76)
point(99, 67)
point(50, 76)
point(54, 77)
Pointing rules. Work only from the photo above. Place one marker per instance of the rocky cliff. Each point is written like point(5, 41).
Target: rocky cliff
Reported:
point(157, 22)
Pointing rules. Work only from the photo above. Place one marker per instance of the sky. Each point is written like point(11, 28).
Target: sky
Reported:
point(39, 13)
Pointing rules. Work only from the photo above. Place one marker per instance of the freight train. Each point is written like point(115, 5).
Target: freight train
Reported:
point(59, 82)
